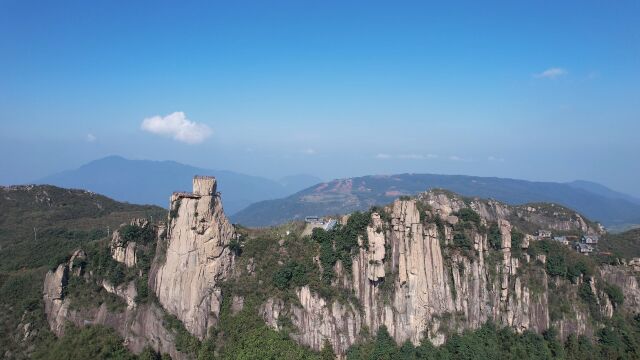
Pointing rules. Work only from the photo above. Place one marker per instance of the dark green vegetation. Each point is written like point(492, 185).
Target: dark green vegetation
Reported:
point(562, 265)
point(563, 261)
point(278, 270)
point(242, 335)
point(360, 193)
point(619, 339)
point(64, 220)
point(468, 224)
point(93, 342)
point(340, 242)
point(85, 291)
point(246, 336)
point(624, 245)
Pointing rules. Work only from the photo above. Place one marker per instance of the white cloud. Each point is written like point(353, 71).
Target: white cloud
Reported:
point(410, 156)
point(551, 73)
point(495, 158)
point(178, 127)
point(91, 138)
point(417, 156)
point(459, 158)
point(309, 151)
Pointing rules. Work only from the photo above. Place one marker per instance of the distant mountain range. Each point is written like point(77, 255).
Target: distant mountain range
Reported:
point(258, 201)
point(151, 182)
point(595, 201)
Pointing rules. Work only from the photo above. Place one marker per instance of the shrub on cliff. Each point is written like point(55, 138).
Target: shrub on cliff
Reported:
point(91, 342)
point(495, 236)
point(615, 294)
point(468, 215)
point(141, 235)
point(291, 274)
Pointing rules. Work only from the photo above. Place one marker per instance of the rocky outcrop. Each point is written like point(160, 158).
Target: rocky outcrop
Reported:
point(126, 292)
point(125, 253)
point(376, 252)
point(192, 259)
point(139, 325)
point(545, 216)
point(626, 278)
point(55, 305)
point(420, 289)
point(197, 257)
point(123, 250)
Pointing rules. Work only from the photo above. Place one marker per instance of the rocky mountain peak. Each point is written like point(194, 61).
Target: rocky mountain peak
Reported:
point(197, 257)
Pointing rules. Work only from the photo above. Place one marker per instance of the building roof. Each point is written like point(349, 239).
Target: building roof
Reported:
point(584, 247)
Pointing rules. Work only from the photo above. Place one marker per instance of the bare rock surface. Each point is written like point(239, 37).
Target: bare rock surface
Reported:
point(429, 292)
point(197, 257)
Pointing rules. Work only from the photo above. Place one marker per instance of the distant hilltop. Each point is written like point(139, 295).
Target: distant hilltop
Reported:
point(594, 201)
point(148, 182)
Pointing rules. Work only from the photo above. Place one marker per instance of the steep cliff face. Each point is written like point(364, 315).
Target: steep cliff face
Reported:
point(191, 260)
point(412, 278)
point(124, 251)
point(626, 278)
point(197, 257)
point(139, 325)
point(423, 268)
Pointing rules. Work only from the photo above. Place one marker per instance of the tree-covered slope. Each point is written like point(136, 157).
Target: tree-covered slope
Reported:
point(63, 220)
point(623, 245)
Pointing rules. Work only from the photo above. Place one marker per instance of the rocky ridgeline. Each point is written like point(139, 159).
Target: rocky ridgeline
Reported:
point(429, 293)
point(407, 274)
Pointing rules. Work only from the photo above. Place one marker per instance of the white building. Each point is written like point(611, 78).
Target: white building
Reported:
point(590, 239)
point(544, 234)
point(584, 248)
point(561, 239)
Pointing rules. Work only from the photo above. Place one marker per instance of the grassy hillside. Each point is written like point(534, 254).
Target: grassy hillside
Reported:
point(347, 195)
point(623, 245)
point(63, 220)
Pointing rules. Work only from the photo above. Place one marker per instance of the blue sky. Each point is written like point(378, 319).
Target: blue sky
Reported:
point(539, 90)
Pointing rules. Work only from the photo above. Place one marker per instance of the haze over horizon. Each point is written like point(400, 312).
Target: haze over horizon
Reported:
point(333, 90)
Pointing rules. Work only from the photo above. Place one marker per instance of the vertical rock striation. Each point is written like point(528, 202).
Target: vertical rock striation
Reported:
point(420, 290)
point(197, 257)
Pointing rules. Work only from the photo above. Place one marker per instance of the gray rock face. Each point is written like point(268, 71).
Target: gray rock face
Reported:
point(140, 326)
point(126, 292)
point(125, 251)
point(407, 278)
point(625, 277)
point(197, 257)
point(54, 305)
point(429, 293)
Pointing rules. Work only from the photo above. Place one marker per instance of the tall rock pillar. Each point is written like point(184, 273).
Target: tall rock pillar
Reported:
point(198, 258)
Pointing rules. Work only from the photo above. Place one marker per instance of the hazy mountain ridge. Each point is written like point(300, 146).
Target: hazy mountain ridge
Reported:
point(602, 190)
point(146, 182)
point(359, 193)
